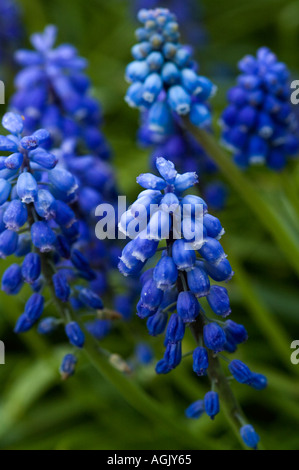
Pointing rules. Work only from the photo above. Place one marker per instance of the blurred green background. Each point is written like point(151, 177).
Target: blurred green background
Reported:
point(37, 411)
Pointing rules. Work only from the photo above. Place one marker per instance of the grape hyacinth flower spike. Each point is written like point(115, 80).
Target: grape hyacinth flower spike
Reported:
point(40, 228)
point(53, 91)
point(191, 268)
point(171, 91)
point(259, 125)
point(163, 75)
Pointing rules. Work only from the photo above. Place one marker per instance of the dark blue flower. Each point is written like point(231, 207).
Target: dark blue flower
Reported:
point(211, 402)
point(249, 436)
point(67, 368)
point(75, 334)
point(259, 125)
point(214, 337)
point(195, 410)
point(200, 361)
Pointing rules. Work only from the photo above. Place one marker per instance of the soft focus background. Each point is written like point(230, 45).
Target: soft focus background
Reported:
point(37, 411)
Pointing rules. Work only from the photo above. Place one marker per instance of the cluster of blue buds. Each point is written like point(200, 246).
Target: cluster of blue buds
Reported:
point(187, 155)
point(54, 92)
point(163, 75)
point(11, 29)
point(188, 13)
point(259, 125)
point(39, 226)
point(191, 260)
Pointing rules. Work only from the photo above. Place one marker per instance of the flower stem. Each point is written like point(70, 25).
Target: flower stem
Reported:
point(266, 214)
point(232, 409)
point(131, 392)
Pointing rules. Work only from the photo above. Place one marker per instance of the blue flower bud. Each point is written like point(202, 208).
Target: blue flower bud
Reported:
point(43, 158)
point(205, 89)
point(240, 371)
point(61, 286)
point(43, 237)
point(5, 188)
point(175, 329)
point(67, 368)
point(145, 312)
point(75, 334)
point(249, 436)
point(162, 367)
point(235, 332)
point(151, 296)
point(195, 410)
point(185, 181)
point(29, 142)
point(200, 115)
point(170, 73)
point(214, 337)
point(143, 249)
point(47, 325)
point(23, 324)
point(137, 70)
point(182, 57)
point(219, 301)
point(155, 61)
point(187, 307)
point(258, 381)
point(14, 161)
point(184, 258)
point(34, 307)
point(134, 95)
point(160, 118)
point(140, 51)
point(198, 281)
point(13, 122)
point(7, 145)
point(152, 87)
point(8, 243)
point(179, 100)
point(211, 402)
point(144, 353)
point(221, 271)
point(166, 169)
point(213, 226)
point(173, 354)
point(63, 181)
point(212, 251)
point(27, 188)
point(149, 181)
point(64, 215)
point(200, 361)
point(23, 245)
point(12, 280)
point(156, 324)
point(45, 204)
point(15, 215)
point(190, 81)
point(165, 273)
point(194, 202)
point(90, 298)
point(43, 136)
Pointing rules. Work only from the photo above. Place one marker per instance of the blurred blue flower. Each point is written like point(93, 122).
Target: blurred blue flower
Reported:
point(259, 125)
